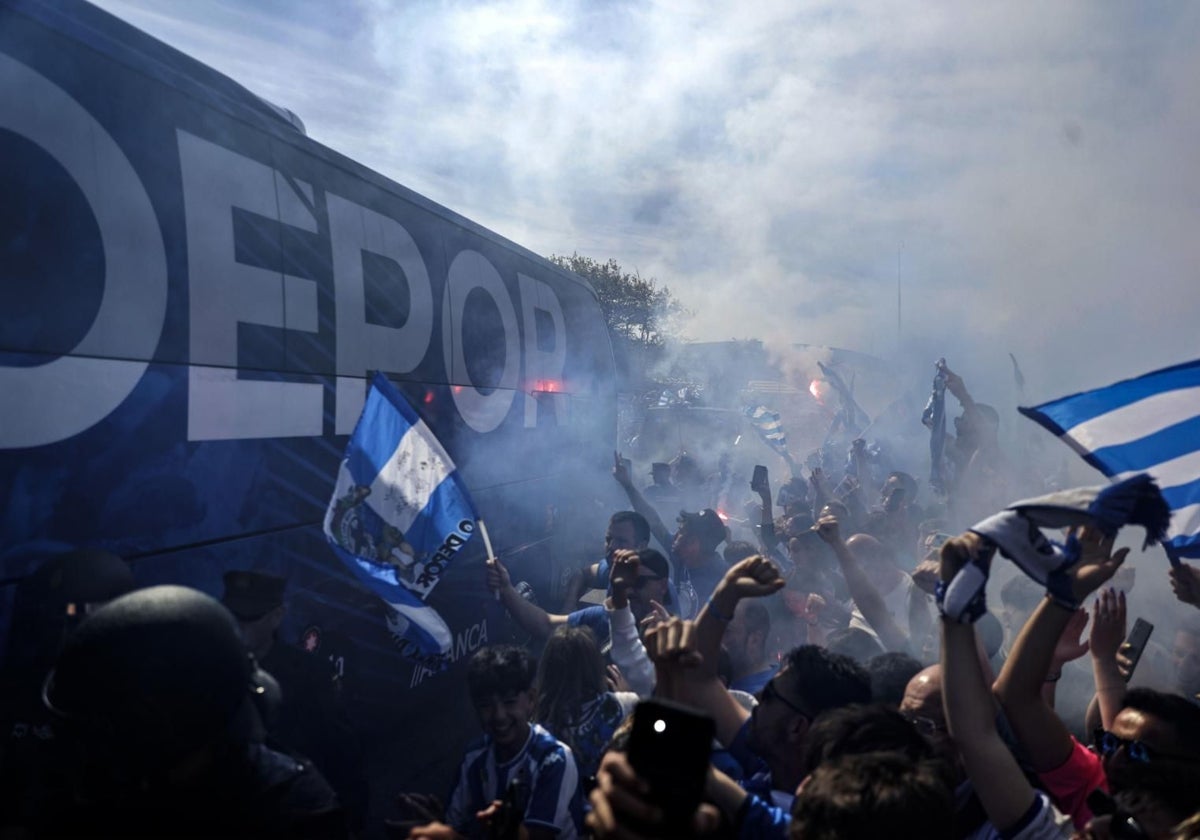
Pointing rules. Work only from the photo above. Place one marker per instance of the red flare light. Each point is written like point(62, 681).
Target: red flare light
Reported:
point(819, 389)
point(548, 386)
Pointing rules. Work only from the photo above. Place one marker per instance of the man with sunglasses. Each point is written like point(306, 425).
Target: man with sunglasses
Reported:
point(1150, 726)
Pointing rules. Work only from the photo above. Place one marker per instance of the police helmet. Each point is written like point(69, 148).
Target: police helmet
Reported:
point(160, 671)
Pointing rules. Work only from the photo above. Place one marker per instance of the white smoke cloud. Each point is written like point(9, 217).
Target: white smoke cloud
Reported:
point(1029, 167)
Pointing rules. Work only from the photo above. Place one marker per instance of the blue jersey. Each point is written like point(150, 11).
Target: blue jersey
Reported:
point(595, 619)
point(548, 771)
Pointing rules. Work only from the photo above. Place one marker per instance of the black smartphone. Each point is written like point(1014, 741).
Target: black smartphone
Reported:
point(1138, 637)
point(759, 480)
point(669, 747)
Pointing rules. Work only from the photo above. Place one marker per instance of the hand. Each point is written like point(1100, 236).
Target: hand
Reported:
point(615, 679)
point(827, 529)
point(954, 382)
point(1125, 663)
point(621, 470)
point(1185, 583)
point(1097, 563)
point(1071, 644)
point(814, 606)
point(434, 831)
point(753, 577)
point(657, 615)
point(625, 567)
point(490, 812)
point(816, 478)
point(926, 575)
point(621, 799)
point(1108, 624)
point(671, 646)
point(498, 579)
point(958, 551)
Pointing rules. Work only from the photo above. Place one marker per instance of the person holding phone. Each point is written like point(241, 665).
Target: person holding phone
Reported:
point(500, 680)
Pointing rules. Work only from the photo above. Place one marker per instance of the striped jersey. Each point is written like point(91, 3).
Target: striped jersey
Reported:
point(546, 769)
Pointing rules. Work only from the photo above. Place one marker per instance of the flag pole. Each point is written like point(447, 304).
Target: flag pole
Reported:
point(487, 544)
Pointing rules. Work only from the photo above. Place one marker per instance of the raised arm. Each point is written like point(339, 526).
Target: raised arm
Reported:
point(752, 577)
point(866, 596)
point(638, 502)
point(627, 652)
point(529, 616)
point(1040, 731)
point(1001, 786)
point(1108, 631)
point(672, 647)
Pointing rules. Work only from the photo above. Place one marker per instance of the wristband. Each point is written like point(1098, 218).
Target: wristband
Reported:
point(962, 599)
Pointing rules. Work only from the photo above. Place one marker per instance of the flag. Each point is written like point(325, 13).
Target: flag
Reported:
point(1150, 424)
point(934, 417)
point(769, 426)
point(398, 515)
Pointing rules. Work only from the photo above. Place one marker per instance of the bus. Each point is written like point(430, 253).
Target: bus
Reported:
point(192, 296)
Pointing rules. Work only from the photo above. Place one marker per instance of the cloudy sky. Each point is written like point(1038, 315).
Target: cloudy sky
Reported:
point(1030, 168)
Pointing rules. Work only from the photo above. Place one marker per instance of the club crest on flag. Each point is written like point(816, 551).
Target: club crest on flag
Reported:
point(398, 515)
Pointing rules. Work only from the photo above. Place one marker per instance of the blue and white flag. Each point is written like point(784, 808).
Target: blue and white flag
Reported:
point(769, 426)
point(1150, 424)
point(399, 514)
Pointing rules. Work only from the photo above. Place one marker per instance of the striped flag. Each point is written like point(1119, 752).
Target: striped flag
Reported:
point(398, 515)
point(1150, 424)
point(769, 426)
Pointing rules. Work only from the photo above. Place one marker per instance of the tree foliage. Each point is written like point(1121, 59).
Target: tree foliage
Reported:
point(640, 314)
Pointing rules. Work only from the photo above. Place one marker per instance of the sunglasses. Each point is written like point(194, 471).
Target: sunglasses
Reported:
point(644, 579)
point(1107, 743)
point(769, 692)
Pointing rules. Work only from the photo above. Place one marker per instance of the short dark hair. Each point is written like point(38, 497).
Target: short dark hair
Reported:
point(877, 794)
point(827, 680)
point(500, 669)
point(1174, 710)
point(890, 673)
point(641, 528)
point(855, 643)
point(857, 729)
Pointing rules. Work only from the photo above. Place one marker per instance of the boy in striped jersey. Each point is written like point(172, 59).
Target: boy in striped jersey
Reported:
point(516, 761)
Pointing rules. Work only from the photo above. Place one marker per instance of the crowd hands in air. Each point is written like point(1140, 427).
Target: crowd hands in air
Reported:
point(801, 671)
point(843, 700)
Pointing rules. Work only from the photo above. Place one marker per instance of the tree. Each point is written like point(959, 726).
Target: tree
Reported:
point(642, 316)
point(638, 311)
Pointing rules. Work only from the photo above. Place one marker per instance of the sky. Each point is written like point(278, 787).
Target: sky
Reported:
point(1024, 173)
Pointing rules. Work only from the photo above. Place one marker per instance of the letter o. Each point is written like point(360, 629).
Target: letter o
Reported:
point(54, 401)
point(482, 412)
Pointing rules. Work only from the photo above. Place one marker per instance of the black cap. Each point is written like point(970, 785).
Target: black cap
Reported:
point(705, 526)
point(251, 595)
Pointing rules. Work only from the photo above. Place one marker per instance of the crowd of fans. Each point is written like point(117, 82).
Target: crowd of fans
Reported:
point(838, 699)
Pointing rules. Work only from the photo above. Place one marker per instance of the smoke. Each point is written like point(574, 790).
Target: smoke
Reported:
point(908, 181)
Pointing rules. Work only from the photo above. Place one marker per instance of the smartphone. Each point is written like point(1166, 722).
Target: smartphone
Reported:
point(669, 747)
point(759, 480)
point(1138, 637)
point(506, 824)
